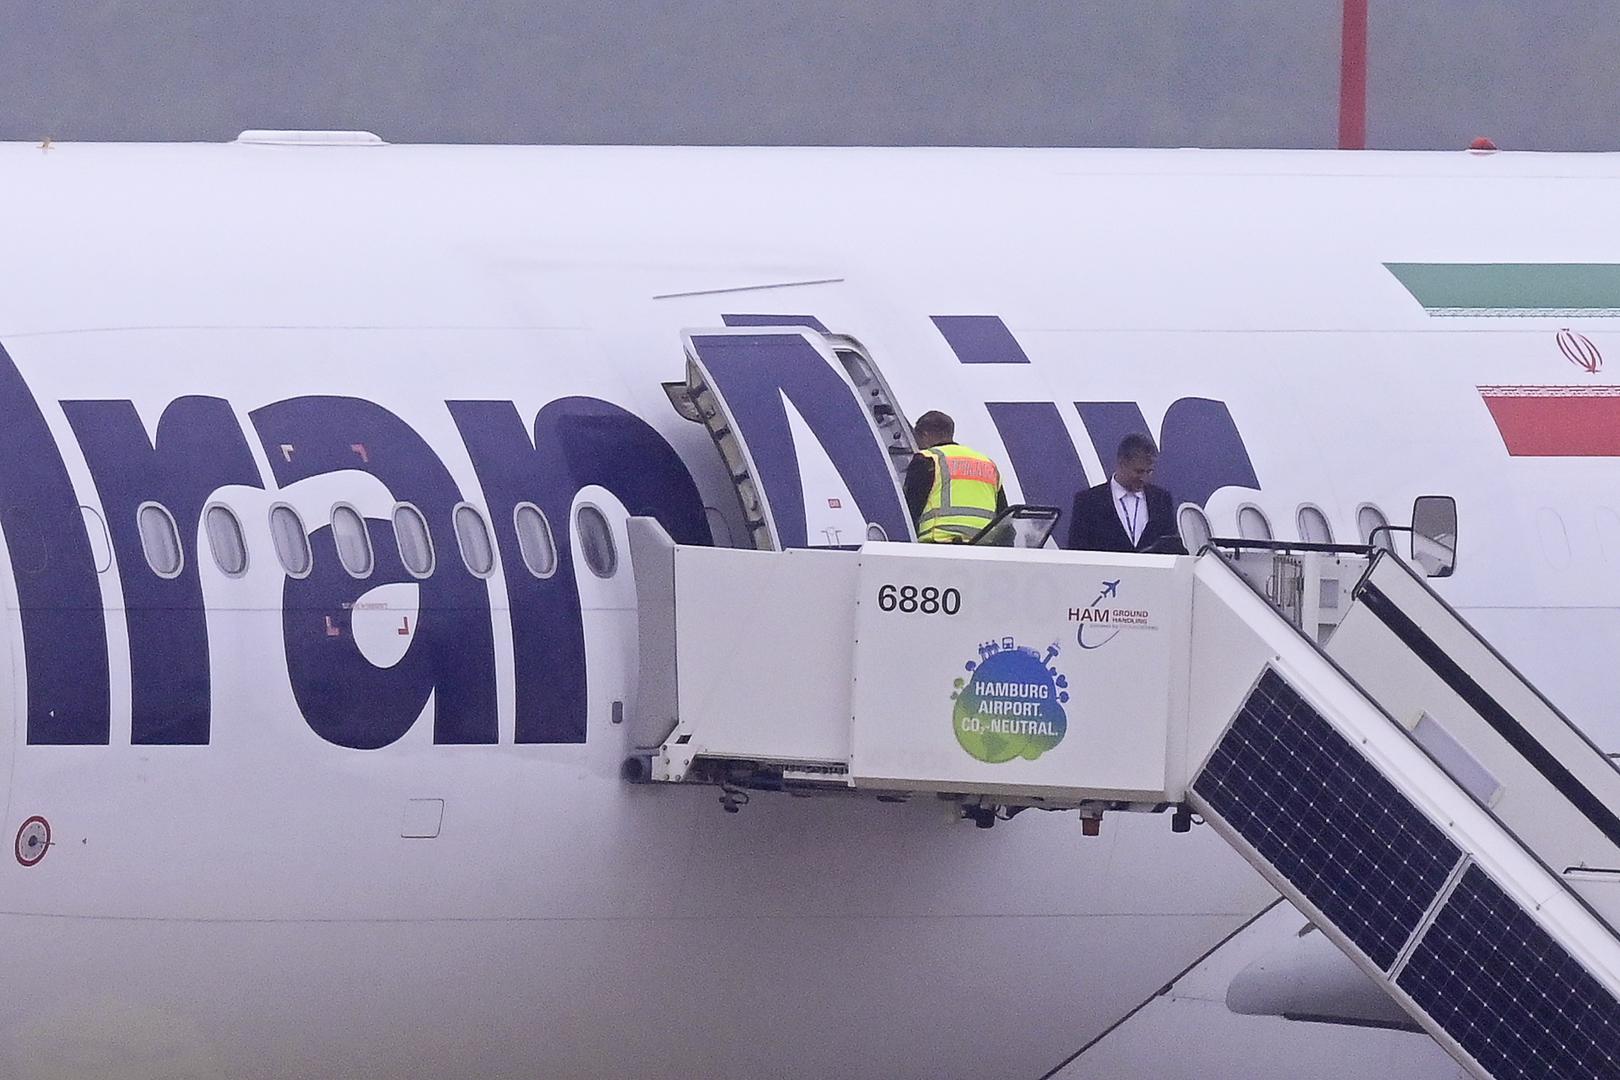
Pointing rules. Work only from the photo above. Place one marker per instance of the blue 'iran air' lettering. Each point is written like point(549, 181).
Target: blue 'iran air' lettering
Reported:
point(573, 443)
point(578, 442)
point(1200, 448)
point(199, 449)
point(344, 697)
point(58, 597)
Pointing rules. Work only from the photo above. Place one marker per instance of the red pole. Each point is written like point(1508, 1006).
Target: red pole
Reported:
point(1353, 77)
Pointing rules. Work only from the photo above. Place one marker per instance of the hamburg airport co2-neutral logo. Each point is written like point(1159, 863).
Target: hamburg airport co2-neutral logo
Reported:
point(1011, 703)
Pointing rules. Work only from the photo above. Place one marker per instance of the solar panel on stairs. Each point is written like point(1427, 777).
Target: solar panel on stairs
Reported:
point(1319, 812)
point(1508, 992)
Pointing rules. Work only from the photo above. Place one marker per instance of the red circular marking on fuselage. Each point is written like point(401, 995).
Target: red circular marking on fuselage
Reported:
point(33, 855)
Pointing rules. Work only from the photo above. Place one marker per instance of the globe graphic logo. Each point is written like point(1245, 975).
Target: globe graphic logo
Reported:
point(1010, 705)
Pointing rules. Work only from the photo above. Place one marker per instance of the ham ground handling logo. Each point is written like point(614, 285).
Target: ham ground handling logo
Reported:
point(1011, 703)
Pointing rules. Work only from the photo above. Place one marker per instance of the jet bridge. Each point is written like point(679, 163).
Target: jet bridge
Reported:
point(1322, 709)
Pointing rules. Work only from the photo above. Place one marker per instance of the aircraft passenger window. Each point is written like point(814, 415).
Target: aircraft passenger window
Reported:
point(1193, 525)
point(1368, 518)
point(596, 541)
point(352, 539)
point(160, 540)
point(225, 540)
point(415, 544)
point(1252, 523)
point(290, 540)
point(1313, 526)
point(535, 541)
point(473, 536)
point(100, 546)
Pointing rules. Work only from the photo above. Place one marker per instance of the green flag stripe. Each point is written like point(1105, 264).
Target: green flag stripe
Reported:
point(1512, 288)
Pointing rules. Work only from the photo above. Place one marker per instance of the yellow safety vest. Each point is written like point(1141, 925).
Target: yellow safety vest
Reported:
point(963, 498)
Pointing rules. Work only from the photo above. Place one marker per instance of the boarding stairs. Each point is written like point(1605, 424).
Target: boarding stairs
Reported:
point(1319, 707)
point(1325, 712)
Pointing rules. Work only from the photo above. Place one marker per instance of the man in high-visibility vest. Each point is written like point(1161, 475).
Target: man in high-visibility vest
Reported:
point(952, 491)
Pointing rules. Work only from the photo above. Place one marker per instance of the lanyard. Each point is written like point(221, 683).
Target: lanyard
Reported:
point(1130, 513)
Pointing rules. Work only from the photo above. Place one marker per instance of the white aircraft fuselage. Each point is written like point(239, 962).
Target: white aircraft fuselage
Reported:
point(374, 825)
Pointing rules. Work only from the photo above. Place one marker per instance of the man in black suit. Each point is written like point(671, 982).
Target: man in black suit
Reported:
point(1126, 513)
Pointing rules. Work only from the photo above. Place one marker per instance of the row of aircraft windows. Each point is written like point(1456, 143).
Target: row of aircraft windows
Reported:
point(1252, 524)
point(160, 537)
point(160, 540)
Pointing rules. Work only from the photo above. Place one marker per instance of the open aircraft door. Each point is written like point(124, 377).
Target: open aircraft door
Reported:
point(808, 430)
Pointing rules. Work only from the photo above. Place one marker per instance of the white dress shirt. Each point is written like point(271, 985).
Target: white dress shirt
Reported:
point(1131, 507)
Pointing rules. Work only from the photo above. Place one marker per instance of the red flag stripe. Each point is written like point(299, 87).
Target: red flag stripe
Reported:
point(1556, 421)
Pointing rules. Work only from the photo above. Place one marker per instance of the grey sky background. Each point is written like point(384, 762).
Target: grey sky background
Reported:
point(1539, 74)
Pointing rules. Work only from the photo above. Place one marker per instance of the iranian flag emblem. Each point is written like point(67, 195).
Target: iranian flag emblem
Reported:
point(1581, 420)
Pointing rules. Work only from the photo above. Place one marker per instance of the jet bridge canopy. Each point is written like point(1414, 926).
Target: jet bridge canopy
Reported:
point(1401, 784)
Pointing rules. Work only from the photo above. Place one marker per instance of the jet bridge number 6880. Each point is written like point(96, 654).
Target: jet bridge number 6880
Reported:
point(927, 600)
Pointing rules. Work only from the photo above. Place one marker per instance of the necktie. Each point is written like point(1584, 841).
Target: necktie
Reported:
point(1130, 502)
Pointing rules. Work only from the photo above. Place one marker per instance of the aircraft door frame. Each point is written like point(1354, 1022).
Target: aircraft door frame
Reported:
point(879, 399)
point(704, 401)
